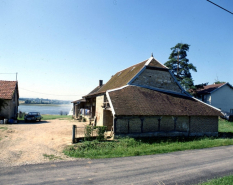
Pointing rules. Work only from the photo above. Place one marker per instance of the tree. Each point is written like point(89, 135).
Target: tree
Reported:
point(180, 66)
point(3, 104)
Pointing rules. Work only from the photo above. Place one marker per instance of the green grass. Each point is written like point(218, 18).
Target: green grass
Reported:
point(225, 126)
point(60, 117)
point(3, 128)
point(227, 180)
point(135, 147)
point(50, 117)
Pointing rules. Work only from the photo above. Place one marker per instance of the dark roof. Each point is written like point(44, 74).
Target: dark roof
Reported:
point(7, 89)
point(208, 88)
point(80, 100)
point(95, 90)
point(134, 100)
point(121, 78)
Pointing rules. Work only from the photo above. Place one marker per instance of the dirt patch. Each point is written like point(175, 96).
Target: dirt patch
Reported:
point(36, 142)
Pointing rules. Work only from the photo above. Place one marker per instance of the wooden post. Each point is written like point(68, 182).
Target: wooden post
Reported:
point(73, 133)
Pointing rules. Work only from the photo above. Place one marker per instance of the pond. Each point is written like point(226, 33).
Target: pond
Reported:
point(54, 109)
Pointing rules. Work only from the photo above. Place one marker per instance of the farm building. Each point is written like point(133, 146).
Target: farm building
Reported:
point(146, 100)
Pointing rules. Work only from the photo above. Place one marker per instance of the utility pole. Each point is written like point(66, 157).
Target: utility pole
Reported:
point(16, 77)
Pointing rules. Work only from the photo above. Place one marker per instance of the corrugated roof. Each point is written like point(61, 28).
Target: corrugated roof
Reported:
point(133, 100)
point(209, 88)
point(7, 89)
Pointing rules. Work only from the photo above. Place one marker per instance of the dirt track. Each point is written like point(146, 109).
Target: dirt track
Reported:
point(28, 143)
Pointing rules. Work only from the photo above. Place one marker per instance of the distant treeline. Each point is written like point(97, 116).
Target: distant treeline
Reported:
point(42, 101)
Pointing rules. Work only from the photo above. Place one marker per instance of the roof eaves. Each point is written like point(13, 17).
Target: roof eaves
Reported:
point(207, 104)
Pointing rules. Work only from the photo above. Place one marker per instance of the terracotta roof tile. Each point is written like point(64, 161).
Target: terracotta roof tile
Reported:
point(209, 88)
point(7, 89)
point(133, 100)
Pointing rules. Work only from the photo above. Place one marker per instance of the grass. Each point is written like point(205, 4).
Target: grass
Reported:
point(3, 128)
point(60, 117)
point(133, 147)
point(51, 117)
point(225, 126)
point(227, 180)
point(51, 157)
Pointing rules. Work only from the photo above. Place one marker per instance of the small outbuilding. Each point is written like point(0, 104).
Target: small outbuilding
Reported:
point(10, 93)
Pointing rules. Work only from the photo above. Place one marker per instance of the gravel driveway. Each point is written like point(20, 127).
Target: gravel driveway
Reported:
point(36, 142)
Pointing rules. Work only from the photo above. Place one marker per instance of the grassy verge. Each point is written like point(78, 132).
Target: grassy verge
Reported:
point(219, 181)
point(132, 147)
point(135, 147)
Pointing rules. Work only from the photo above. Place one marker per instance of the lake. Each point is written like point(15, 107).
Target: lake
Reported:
point(54, 109)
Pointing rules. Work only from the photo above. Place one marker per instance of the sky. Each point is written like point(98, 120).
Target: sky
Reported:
point(60, 49)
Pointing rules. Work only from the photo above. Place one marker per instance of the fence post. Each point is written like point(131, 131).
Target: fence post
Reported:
point(73, 134)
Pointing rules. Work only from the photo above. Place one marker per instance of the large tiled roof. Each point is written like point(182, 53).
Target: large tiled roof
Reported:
point(121, 78)
point(133, 100)
point(7, 89)
point(95, 90)
point(208, 88)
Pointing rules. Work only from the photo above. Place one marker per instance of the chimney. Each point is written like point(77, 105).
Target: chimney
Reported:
point(100, 83)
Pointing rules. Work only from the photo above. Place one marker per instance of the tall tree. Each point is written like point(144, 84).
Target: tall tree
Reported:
point(180, 66)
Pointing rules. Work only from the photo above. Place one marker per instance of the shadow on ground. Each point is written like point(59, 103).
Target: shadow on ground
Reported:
point(22, 122)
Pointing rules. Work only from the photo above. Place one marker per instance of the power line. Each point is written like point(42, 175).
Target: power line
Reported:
point(51, 94)
point(219, 6)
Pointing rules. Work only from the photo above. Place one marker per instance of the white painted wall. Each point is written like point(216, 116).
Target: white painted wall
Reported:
point(223, 98)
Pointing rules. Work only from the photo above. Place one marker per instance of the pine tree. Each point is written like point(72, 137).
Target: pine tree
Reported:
point(180, 66)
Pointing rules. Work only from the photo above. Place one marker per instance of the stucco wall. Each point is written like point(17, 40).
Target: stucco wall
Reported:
point(99, 110)
point(157, 79)
point(223, 98)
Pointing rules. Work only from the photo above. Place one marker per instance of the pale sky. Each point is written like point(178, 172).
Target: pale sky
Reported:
point(62, 48)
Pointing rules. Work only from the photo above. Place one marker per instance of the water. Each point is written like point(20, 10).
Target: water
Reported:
point(54, 109)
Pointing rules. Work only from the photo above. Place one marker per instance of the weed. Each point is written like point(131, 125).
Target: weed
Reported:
point(52, 157)
point(3, 128)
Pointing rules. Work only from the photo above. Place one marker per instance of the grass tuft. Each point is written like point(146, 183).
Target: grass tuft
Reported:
point(52, 157)
point(3, 128)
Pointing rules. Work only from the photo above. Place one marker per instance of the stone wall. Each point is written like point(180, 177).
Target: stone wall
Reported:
point(157, 79)
point(108, 119)
point(178, 125)
point(203, 125)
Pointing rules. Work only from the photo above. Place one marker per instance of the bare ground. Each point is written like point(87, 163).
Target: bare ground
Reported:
point(36, 142)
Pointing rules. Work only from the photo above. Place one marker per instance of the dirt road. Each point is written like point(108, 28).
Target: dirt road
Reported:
point(37, 142)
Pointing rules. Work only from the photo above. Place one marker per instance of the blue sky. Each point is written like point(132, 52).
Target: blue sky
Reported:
point(62, 48)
